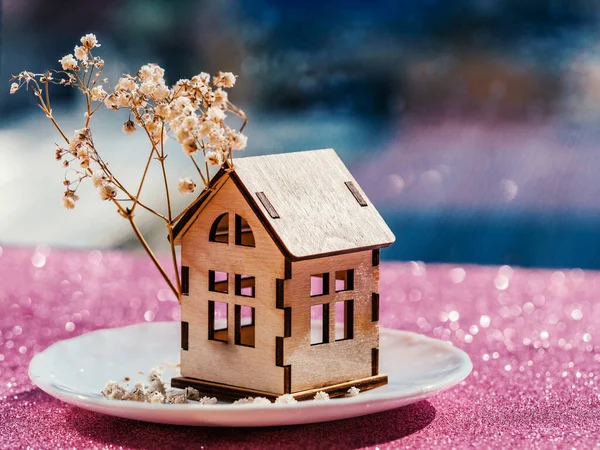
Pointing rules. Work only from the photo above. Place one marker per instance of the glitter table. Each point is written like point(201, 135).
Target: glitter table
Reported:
point(530, 333)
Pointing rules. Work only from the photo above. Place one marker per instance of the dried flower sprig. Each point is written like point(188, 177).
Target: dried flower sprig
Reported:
point(193, 112)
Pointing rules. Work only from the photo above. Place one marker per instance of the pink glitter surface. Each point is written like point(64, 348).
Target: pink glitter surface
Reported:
point(532, 336)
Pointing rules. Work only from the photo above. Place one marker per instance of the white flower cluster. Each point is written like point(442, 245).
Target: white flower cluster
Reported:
point(253, 401)
point(193, 110)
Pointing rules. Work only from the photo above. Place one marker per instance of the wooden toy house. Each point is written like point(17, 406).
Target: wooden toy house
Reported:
point(273, 254)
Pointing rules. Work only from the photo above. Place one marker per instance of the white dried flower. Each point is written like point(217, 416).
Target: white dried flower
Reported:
point(189, 146)
point(238, 141)
point(353, 392)
point(213, 158)
point(113, 391)
point(189, 123)
point(202, 78)
point(68, 201)
point(89, 41)
point(147, 87)
point(205, 128)
point(99, 178)
point(176, 396)
point(163, 110)
point(129, 127)
point(14, 87)
point(215, 114)
point(286, 399)
point(244, 401)
point(126, 84)
point(224, 79)
point(68, 62)
point(151, 72)
point(221, 97)
point(81, 53)
point(186, 186)
point(321, 395)
point(98, 93)
point(137, 395)
point(192, 394)
point(261, 401)
point(157, 397)
point(107, 191)
point(111, 102)
point(160, 91)
point(208, 401)
point(155, 374)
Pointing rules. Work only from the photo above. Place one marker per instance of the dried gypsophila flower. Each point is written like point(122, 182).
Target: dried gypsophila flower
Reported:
point(224, 79)
point(286, 399)
point(89, 41)
point(189, 146)
point(68, 62)
point(353, 392)
point(107, 191)
point(81, 53)
point(14, 87)
point(186, 185)
point(191, 393)
point(99, 178)
point(129, 127)
point(69, 198)
point(137, 395)
point(98, 93)
point(176, 396)
point(113, 391)
point(321, 395)
point(213, 158)
point(208, 401)
point(156, 397)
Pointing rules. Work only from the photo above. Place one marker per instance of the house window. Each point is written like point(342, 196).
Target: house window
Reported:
point(245, 285)
point(344, 320)
point(185, 280)
point(218, 281)
point(219, 232)
point(217, 321)
point(344, 280)
point(244, 325)
point(184, 335)
point(319, 284)
point(319, 324)
point(243, 233)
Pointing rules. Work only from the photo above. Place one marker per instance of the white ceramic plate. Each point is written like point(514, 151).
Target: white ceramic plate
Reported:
point(75, 371)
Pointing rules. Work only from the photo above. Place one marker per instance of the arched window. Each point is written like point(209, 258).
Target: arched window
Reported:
point(219, 232)
point(243, 233)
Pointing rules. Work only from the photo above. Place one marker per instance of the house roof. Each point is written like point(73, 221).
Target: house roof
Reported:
point(308, 201)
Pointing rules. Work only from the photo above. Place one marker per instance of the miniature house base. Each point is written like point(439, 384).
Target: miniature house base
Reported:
point(274, 253)
point(226, 392)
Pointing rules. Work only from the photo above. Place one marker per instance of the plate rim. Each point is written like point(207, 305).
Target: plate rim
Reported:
point(373, 396)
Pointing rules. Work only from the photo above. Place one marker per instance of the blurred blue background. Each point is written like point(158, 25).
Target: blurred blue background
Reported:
point(471, 124)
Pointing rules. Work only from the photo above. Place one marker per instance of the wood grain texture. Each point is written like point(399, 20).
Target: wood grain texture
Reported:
point(318, 214)
point(225, 392)
point(314, 366)
point(227, 363)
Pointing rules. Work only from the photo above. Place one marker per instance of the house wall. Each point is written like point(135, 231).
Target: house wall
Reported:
point(228, 363)
point(314, 366)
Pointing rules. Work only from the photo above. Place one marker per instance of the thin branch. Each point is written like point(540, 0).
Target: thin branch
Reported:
point(150, 253)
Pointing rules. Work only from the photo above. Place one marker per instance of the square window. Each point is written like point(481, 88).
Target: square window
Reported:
point(319, 284)
point(344, 320)
point(245, 325)
point(218, 281)
point(319, 324)
point(245, 285)
point(344, 280)
point(217, 321)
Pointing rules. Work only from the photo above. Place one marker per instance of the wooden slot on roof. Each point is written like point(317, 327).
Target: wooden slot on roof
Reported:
point(357, 195)
point(267, 204)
